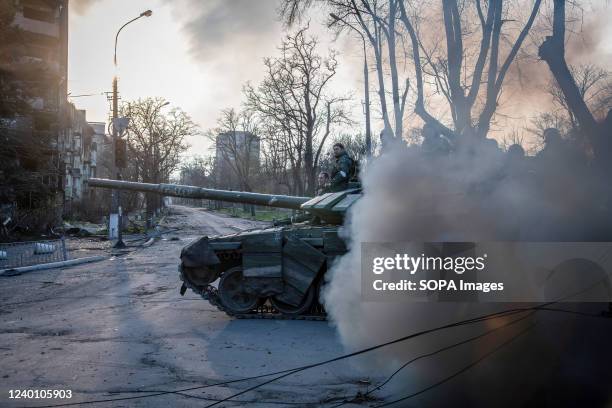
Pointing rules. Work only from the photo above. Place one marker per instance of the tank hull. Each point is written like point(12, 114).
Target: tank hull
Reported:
point(275, 271)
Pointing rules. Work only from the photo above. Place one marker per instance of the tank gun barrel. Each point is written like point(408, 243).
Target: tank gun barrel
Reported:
point(177, 190)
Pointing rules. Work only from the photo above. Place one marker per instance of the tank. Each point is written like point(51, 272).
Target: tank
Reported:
point(272, 272)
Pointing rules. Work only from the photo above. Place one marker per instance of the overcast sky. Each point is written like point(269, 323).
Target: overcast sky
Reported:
point(195, 54)
point(198, 54)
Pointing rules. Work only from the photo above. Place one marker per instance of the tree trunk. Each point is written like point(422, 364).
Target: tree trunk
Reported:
point(552, 51)
point(391, 40)
point(454, 47)
point(381, 86)
point(309, 164)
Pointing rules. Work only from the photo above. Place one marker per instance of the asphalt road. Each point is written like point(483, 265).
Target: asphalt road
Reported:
point(113, 329)
point(118, 331)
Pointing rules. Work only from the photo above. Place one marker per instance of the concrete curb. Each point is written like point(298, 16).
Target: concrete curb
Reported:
point(50, 265)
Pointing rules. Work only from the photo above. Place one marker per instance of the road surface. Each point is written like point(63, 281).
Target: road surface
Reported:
point(114, 329)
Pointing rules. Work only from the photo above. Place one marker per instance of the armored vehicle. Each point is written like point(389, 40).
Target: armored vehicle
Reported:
point(272, 272)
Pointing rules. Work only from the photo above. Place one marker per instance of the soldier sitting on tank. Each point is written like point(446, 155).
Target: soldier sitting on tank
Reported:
point(342, 170)
point(554, 145)
point(323, 183)
point(433, 142)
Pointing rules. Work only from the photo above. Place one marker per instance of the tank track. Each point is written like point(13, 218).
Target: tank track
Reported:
point(265, 311)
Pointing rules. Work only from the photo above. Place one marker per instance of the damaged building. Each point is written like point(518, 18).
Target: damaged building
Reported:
point(34, 79)
point(35, 117)
point(86, 153)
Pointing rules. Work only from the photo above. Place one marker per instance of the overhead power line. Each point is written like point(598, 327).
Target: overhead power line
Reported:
point(83, 95)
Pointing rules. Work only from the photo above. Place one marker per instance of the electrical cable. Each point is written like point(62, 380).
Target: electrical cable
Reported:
point(302, 368)
point(440, 350)
point(285, 373)
point(295, 370)
point(543, 308)
point(237, 401)
point(470, 340)
point(469, 321)
point(457, 373)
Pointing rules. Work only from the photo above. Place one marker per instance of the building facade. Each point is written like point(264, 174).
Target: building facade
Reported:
point(34, 70)
point(101, 154)
point(86, 153)
point(79, 154)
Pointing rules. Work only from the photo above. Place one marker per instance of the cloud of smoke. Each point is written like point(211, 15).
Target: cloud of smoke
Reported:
point(82, 6)
point(238, 28)
point(471, 196)
point(586, 32)
point(408, 197)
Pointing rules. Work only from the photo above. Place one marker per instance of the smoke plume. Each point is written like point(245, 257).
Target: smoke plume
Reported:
point(239, 28)
point(82, 6)
point(476, 195)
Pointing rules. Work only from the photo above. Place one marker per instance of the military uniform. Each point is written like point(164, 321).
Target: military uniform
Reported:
point(323, 190)
point(341, 173)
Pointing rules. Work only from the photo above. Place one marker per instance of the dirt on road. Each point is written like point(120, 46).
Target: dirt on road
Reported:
point(118, 330)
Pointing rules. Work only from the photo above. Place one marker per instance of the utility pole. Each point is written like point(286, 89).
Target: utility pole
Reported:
point(366, 92)
point(116, 210)
point(366, 81)
point(115, 219)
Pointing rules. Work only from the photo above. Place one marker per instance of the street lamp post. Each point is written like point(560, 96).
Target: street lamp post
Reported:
point(366, 74)
point(116, 212)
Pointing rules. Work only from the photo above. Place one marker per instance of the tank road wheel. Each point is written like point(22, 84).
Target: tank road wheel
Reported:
point(232, 294)
point(303, 307)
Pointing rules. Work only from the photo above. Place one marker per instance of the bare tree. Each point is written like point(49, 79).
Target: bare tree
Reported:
point(468, 79)
point(196, 171)
point(594, 87)
point(274, 168)
point(155, 141)
point(556, 119)
point(295, 102)
point(377, 21)
point(462, 90)
point(552, 51)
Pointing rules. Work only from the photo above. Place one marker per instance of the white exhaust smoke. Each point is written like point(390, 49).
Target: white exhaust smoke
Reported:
point(479, 195)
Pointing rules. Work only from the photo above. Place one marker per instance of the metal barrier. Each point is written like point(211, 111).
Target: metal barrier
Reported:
point(16, 254)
